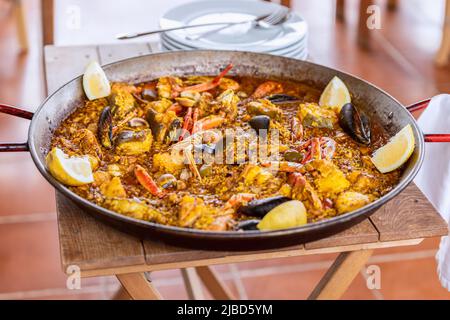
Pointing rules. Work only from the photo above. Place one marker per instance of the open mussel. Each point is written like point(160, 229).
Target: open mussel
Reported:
point(158, 129)
point(133, 142)
point(283, 98)
point(247, 225)
point(355, 123)
point(261, 122)
point(104, 129)
point(163, 132)
point(174, 131)
point(259, 208)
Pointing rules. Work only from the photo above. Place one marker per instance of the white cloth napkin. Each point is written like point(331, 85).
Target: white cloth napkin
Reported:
point(434, 177)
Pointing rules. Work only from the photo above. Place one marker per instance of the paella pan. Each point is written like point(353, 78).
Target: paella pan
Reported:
point(225, 148)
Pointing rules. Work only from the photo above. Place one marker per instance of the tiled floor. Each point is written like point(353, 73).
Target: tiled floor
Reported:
point(400, 62)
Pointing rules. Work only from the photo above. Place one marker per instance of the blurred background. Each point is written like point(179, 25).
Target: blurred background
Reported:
point(400, 57)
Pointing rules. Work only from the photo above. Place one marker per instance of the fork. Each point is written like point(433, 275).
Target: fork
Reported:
point(278, 15)
point(275, 18)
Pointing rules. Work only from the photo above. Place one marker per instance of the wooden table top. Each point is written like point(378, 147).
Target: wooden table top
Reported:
point(99, 249)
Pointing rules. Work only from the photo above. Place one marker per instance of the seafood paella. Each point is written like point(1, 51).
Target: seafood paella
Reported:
point(222, 152)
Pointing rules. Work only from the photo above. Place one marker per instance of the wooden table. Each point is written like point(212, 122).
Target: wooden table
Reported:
point(99, 250)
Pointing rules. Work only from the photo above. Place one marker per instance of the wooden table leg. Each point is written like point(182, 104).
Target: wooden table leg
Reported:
point(214, 285)
point(138, 287)
point(442, 57)
point(340, 275)
point(192, 283)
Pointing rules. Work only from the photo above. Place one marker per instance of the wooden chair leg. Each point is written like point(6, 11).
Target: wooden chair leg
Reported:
point(47, 8)
point(363, 31)
point(22, 35)
point(138, 287)
point(340, 10)
point(443, 55)
point(192, 283)
point(392, 5)
point(214, 285)
point(121, 294)
point(340, 275)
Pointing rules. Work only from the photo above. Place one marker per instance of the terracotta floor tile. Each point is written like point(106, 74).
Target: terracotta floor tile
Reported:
point(22, 188)
point(297, 286)
point(411, 280)
point(29, 257)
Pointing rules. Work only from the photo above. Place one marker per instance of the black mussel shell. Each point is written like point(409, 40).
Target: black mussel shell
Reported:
point(247, 225)
point(259, 208)
point(355, 123)
point(104, 130)
point(282, 98)
point(260, 123)
point(158, 129)
point(174, 131)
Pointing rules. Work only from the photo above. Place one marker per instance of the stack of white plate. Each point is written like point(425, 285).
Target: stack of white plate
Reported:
point(287, 39)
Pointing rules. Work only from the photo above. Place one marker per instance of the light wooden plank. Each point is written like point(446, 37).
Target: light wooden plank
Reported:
point(254, 256)
point(91, 244)
point(115, 52)
point(408, 216)
point(138, 287)
point(65, 63)
point(363, 232)
point(47, 17)
point(340, 275)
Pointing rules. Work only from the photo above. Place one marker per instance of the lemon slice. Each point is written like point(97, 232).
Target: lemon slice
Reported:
point(396, 152)
point(95, 82)
point(73, 171)
point(287, 215)
point(335, 95)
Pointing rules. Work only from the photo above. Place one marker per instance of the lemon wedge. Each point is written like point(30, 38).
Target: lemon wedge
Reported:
point(73, 171)
point(287, 215)
point(335, 95)
point(396, 152)
point(95, 83)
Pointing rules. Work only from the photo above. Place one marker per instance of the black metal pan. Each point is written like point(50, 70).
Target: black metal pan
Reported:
point(376, 103)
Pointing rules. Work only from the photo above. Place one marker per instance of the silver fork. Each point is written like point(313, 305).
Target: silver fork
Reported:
point(275, 18)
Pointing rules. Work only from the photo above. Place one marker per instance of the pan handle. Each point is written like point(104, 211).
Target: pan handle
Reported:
point(435, 137)
point(14, 147)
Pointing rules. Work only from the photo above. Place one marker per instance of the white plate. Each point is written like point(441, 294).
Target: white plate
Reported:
point(301, 54)
point(296, 46)
point(239, 37)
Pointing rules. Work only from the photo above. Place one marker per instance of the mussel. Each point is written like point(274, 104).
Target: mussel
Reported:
point(174, 131)
point(167, 180)
point(133, 142)
point(246, 225)
point(282, 98)
point(259, 208)
point(104, 128)
point(260, 122)
point(355, 123)
point(158, 129)
point(138, 122)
